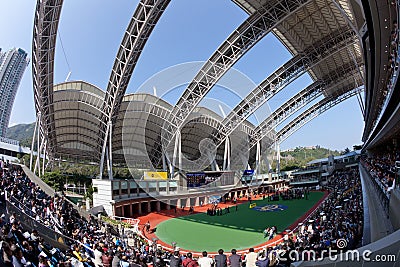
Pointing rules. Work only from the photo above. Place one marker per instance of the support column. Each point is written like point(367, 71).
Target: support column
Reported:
point(33, 139)
point(164, 163)
point(37, 164)
point(44, 156)
point(158, 206)
point(258, 156)
point(177, 153)
point(131, 210)
point(140, 208)
point(227, 155)
point(110, 161)
point(278, 159)
point(103, 151)
point(38, 146)
point(148, 206)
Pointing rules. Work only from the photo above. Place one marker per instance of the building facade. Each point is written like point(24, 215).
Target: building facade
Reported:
point(12, 66)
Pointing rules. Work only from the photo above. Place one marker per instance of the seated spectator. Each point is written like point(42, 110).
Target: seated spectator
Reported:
point(262, 260)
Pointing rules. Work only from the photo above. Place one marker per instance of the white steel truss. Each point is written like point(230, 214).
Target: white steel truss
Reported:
point(287, 73)
point(47, 16)
point(253, 29)
point(313, 112)
point(142, 23)
point(303, 98)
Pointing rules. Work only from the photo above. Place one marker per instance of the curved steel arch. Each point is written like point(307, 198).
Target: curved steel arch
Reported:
point(312, 113)
point(291, 70)
point(142, 23)
point(303, 98)
point(253, 29)
point(47, 16)
point(325, 48)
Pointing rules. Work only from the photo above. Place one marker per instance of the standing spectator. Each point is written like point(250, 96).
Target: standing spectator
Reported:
point(107, 259)
point(124, 262)
point(189, 262)
point(234, 260)
point(220, 259)
point(175, 260)
point(205, 261)
point(7, 254)
point(97, 257)
point(147, 226)
point(116, 260)
point(18, 258)
point(158, 261)
point(251, 258)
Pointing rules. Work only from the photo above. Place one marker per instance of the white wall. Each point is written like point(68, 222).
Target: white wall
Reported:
point(103, 195)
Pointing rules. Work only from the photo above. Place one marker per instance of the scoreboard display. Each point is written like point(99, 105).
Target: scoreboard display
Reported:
point(195, 179)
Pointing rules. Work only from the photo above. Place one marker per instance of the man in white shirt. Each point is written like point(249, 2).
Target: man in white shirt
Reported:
point(205, 261)
point(251, 258)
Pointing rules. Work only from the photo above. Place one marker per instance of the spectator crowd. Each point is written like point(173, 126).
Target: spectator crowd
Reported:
point(93, 243)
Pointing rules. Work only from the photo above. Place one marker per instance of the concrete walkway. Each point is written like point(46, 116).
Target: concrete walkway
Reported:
point(380, 225)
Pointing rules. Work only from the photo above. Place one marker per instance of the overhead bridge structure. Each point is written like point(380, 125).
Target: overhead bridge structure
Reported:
point(80, 122)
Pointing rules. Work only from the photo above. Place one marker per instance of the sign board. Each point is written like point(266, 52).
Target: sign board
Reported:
point(155, 176)
point(252, 205)
point(248, 172)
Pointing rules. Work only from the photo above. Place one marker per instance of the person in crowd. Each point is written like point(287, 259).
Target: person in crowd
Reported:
point(18, 258)
point(262, 260)
point(158, 261)
point(220, 259)
point(205, 261)
point(116, 260)
point(251, 258)
point(43, 262)
point(97, 257)
point(107, 259)
point(175, 259)
point(124, 261)
point(234, 260)
point(7, 254)
point(189, 261)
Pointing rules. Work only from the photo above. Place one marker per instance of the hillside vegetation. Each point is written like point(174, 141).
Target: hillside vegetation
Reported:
point(22, 132)
point(300, 156)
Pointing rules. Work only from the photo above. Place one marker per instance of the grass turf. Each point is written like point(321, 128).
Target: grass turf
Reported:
point(238, 229)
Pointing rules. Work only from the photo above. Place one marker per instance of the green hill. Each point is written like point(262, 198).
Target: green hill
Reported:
point(299, 156)
point(22, 132)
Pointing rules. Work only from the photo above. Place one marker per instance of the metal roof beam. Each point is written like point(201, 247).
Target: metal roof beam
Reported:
point(299, 101)
point(47, 16)
point(283, 76)
point(252, 30)
point(312, 113)
point(142, 23)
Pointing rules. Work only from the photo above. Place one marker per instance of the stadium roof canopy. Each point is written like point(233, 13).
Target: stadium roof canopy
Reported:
point(82, 122)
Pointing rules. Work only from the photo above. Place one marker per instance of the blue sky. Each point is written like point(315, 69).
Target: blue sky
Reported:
point(189, 31)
